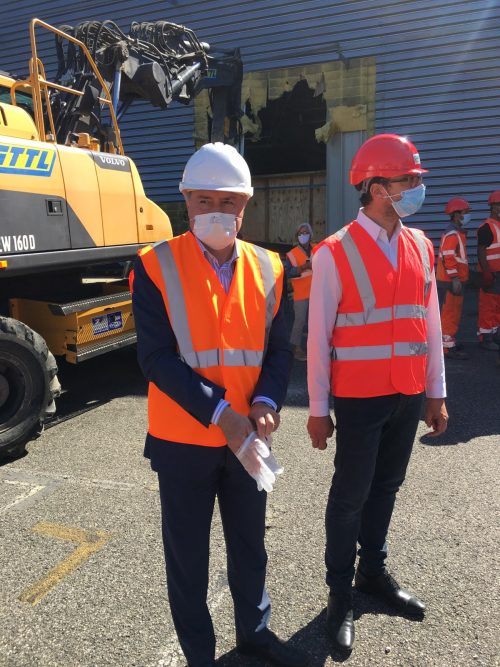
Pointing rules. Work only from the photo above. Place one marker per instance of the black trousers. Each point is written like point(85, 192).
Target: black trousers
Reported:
point(374, 442)
point(191, 477)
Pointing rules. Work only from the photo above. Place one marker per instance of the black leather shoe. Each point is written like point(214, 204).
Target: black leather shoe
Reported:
point(274, 651)
point(386, 587)
point(340, 620)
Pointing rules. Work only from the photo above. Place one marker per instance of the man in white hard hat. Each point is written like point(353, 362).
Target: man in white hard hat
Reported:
point(212, 342)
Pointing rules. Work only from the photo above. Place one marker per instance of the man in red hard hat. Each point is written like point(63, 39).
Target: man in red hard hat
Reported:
point(452, 274)
point(488, 254)
point(375, 344)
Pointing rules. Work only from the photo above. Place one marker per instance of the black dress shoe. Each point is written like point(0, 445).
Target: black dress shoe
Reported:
point(274, 651)
point(386, 587)
point(340, 620)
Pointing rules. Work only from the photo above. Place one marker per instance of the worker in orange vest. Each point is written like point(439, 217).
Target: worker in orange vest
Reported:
point(298, 270)
point(488, 254)
point(452, 273)
point(212, 341)
point(375, 343)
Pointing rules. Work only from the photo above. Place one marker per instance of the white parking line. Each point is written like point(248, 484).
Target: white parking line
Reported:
point(29, 491)
point(33, 487)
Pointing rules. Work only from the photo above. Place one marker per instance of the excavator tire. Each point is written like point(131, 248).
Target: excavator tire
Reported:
point(28, 385)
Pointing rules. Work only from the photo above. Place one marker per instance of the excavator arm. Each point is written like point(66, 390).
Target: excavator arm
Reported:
point(159, 62)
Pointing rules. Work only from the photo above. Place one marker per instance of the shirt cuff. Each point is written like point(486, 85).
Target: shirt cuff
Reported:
point(267, 401)
point(221, 406)
point(436, 387)
point(319, 408)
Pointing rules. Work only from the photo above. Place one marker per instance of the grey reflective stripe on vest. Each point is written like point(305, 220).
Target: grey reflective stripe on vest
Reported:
point(269, 281)
point(370, 314)
point(424, 254)
point(378, 315)
point(358, 269)
point(175, 295)
point(210, 358)
point(412, 311)
point(202, 358)
point(179, 318)
point(243, 358)
point(410, 349)
point(359, 319)
point(374, 352)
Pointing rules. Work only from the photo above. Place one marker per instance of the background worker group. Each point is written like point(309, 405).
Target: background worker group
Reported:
point(453, 274)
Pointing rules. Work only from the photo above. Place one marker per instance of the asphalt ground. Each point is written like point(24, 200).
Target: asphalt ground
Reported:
point(81, 562)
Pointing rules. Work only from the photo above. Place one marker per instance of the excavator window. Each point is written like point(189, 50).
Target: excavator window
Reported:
point(23, 100)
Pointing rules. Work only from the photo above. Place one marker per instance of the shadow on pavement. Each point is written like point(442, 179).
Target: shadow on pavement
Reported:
point(369, 604)
point(96, 382)
point(311, 640)
point(473, 401)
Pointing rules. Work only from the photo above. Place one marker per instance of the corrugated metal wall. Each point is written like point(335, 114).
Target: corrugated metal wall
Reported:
point(438, 76)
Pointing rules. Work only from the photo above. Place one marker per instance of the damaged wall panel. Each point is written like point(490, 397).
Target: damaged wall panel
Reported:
point(283, 202)
point(348, 90)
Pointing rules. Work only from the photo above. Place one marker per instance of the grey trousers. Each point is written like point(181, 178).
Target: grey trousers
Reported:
point(300, 309)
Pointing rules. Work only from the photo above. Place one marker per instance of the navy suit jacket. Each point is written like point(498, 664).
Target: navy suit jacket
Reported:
point(160, 361)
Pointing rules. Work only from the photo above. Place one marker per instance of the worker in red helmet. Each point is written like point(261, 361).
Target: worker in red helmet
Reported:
point(488, 254)
point(452, 273)
point(375, 344)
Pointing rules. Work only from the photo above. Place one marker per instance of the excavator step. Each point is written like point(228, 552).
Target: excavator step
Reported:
point(83, 352)
point(87, 304)
point(80, 329)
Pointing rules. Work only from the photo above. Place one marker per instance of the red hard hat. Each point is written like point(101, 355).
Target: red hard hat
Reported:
point(456, 204)
point(385, 155)
point(494, 198)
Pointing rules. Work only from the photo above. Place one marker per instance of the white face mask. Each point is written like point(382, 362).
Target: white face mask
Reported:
point(216, 230)
point(304, 238)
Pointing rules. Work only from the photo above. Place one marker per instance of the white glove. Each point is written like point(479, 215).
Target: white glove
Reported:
point(255, 456)
point(270, 460)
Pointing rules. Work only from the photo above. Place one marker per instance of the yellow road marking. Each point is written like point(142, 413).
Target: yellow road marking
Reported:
point(88, 541)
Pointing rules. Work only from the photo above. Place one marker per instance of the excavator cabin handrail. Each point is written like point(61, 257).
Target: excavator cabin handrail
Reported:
point(38, 81)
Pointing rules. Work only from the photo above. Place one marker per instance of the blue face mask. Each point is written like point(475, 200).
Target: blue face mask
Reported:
point(411, 200)
point(466, 219)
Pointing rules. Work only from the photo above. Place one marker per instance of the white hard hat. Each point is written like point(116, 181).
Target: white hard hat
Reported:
point(217, 166)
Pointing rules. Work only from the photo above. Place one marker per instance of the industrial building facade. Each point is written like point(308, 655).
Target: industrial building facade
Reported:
point(319, 77)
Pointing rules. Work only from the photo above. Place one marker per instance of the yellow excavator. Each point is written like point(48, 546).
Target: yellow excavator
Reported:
point(72, 203)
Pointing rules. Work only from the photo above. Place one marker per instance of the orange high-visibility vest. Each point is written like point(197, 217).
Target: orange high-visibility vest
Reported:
point(301, 285)
point(131, 275)
point(379, 342)
point(493, 250)
point(452, 258)
point(223, 337)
